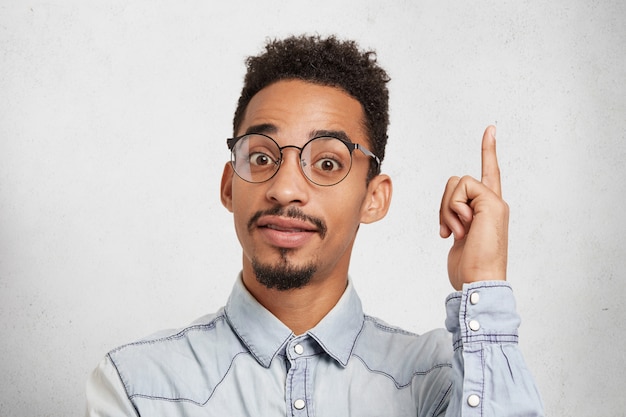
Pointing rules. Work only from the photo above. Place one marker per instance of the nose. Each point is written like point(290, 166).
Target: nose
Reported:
point(289, 185)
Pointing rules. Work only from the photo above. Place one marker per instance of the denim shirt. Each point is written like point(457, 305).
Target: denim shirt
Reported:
point(242, 361)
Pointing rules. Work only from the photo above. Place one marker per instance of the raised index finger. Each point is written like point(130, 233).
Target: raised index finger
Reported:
point(490, 170)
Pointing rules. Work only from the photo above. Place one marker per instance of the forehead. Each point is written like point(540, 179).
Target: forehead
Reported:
point(294, 108)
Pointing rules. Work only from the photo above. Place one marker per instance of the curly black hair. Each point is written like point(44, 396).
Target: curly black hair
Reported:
point(329, 62)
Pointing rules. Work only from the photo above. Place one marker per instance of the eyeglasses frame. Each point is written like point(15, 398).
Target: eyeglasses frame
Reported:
point(231, 142)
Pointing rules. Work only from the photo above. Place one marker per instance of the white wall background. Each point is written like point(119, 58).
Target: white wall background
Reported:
point(113, 116)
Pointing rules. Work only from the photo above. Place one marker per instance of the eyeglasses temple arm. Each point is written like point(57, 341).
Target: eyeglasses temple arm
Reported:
point(367, 152)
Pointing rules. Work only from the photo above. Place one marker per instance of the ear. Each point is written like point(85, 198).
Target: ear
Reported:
point(226, 187)
point(377, 200)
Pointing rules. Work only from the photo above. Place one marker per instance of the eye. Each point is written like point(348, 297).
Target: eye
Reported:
point(328, 165)
point(260, 159)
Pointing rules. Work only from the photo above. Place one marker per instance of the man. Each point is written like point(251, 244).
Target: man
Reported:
point(309, 134)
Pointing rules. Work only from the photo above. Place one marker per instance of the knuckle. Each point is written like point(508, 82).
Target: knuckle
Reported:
point(503, 207)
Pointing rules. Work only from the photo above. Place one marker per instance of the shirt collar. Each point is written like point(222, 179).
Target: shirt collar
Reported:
point(338, 331)
point(265, 336)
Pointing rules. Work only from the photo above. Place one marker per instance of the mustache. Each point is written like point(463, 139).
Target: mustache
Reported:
point(290, 212)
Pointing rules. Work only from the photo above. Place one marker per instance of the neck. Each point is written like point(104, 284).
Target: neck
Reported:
point(299, 309)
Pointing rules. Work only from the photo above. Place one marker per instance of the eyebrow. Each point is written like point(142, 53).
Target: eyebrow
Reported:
point(339, 134)
point(269, 129)
point(264, 128)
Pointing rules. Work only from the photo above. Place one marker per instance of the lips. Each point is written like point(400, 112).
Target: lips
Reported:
point(285, 232)
point(285, 224)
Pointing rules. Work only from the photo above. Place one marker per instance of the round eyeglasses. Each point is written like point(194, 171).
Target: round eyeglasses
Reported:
point(324, 160)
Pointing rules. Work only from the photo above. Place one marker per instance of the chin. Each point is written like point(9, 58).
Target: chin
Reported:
point(283, 275)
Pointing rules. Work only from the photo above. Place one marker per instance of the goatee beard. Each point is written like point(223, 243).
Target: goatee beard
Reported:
point(283, 276)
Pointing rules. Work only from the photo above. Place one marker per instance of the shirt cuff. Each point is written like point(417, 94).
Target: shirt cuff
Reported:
point(483, 312)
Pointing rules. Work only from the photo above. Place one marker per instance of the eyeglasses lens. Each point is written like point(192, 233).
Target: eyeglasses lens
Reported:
point(326, 160)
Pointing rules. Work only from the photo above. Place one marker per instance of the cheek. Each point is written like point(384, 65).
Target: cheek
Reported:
point(242, 209)
point(245, 195)
point(345, 216)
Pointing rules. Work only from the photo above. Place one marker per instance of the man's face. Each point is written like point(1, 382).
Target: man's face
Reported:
point(292, 231)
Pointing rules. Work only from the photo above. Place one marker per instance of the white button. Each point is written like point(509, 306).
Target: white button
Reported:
point(474, 325)
point(473, 400)
point(474, 297)
point(298, 349)
point(299, 404)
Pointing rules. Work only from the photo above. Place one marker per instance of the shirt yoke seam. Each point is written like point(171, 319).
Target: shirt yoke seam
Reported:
point(388, 328)
point(119, 375)
point(182, 399)
point(399, 385)
point(180, 334)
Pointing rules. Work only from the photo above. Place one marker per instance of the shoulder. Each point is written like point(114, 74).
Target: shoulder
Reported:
point(158, 365)
point(401, 354)
point(207, 326)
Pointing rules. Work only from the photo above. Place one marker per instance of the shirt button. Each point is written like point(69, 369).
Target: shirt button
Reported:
point(299, 404)
point(298, 349)
point(474, 297)
point(474, 325)
point(473, 400)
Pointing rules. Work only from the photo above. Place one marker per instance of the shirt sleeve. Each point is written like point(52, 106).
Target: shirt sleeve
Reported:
point(106, 395)
point(491, 377)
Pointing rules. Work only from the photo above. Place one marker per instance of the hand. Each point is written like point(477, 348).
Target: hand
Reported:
point(475, 213)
